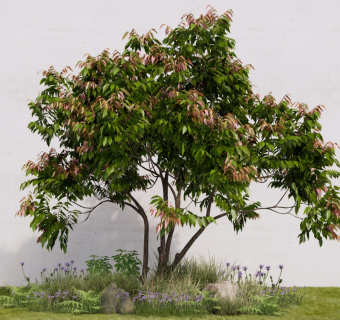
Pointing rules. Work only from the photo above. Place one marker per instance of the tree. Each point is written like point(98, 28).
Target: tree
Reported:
point(180, 111)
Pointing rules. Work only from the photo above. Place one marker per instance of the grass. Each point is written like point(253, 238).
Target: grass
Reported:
point(186, 281)
point(320, 304)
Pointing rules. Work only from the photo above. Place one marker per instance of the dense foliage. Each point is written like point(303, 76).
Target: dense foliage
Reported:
point(180, 111)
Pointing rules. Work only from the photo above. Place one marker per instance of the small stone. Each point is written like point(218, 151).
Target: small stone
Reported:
point(223, 290)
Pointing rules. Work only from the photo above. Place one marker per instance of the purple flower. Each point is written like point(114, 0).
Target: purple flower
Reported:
point(238, 267)
point(234, 268)
point(227, 264)
point(82, 270)
point(56, 269)
point(261, 266)
point(72, 261)
point(223, 272)
point(74, 268)
point(67, 264)
point(239, 274)
point(59, 264)
point(22, 264)
point(62, 268)
point(245, 268)
point(66, 270)
point(44, 270)
point(281, 266)
point(258, 274)
point(268, 268)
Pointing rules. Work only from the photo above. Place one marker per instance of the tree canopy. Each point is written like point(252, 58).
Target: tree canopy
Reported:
point(180, 111)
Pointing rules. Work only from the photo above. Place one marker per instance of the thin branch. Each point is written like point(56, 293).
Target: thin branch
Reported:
point(282, 197)
point(153, 172)
point(286, 213)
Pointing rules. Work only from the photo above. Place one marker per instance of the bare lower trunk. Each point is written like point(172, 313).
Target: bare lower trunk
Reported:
point(145, 266)
point(161, 249)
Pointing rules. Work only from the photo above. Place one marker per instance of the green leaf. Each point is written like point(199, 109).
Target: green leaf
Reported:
point(105, 87)
point(233, 214)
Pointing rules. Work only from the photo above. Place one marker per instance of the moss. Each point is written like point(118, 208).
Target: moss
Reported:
point(320, 304)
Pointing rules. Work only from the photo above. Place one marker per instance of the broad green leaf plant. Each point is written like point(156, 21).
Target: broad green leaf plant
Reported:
point(181, 112)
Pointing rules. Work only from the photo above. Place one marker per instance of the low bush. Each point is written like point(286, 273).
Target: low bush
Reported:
point(175, 293)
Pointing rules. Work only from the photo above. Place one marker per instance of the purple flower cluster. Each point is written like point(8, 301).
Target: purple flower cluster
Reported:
point(124, 295)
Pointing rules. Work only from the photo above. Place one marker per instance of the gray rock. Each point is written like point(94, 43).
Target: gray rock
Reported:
point(113, 304)
point(222, 290)
point(126, 306)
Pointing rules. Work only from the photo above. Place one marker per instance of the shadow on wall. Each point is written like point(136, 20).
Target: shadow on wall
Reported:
point(107, 230)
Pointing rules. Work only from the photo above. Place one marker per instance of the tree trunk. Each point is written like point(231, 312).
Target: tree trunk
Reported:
point(145, 266)
point(161, 249)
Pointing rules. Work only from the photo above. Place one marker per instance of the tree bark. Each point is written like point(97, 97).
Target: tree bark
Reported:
point(161, 249)
point(145, 266)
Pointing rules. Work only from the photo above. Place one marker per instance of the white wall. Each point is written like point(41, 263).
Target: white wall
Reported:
point(294, 47)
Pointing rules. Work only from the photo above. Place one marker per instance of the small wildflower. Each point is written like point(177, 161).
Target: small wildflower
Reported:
point(245, 268)
point(22, 264)
point(72, 261)
point(281, 266)
point(56, 269)
point(240, 274)
point(223, 272)
point(44, 270)
point(261, 266)
point(59, 264)
point(82, 270)
point(227, 264)
point(75, 268)
point(67, 264)
point(268, 268)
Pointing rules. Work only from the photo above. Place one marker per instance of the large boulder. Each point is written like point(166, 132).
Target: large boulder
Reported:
point(222, 290)
point(114, 301)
